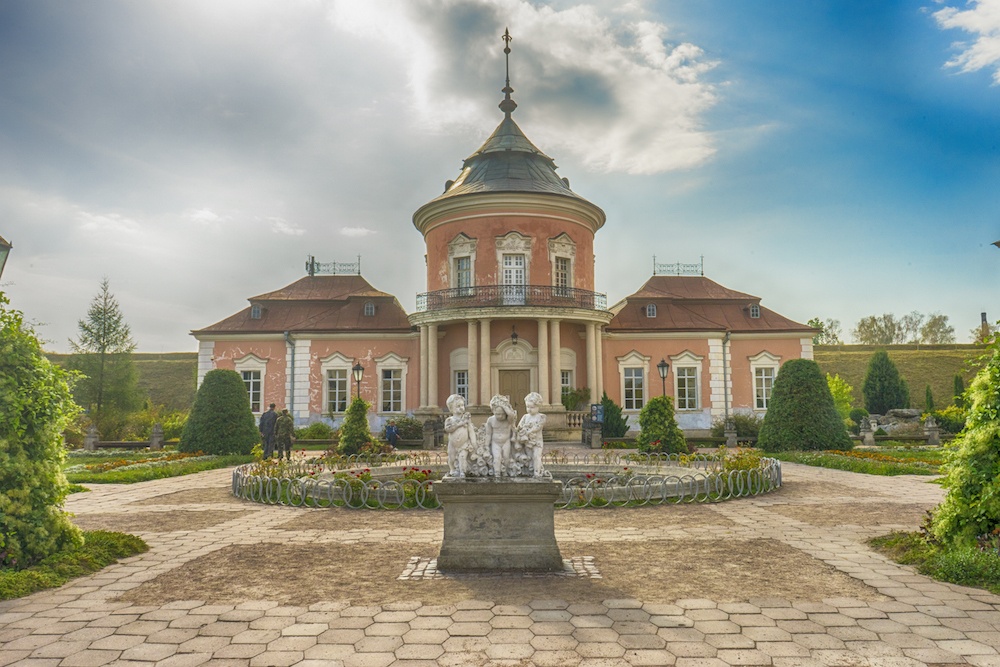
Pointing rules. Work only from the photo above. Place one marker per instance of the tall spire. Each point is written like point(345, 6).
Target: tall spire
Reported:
point(507, 105)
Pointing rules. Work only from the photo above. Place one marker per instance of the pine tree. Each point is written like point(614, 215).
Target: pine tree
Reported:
point(883, 388)
point(928, 399)
point(801, 413)
point(615, 424)
point(959, 398)
point(103, 355)
point(354, 432)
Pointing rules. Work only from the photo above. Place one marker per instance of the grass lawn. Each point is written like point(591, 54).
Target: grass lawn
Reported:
point(129, 466)
point(965, 566)
point(100, 549)
point(889, 459)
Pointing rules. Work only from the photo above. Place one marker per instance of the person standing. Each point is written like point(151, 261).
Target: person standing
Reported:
point(284, 430)
point(267, 423)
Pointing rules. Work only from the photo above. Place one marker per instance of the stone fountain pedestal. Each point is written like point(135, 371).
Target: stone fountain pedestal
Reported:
point(499, 526)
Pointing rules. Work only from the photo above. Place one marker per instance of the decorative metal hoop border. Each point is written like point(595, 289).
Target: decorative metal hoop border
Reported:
point(604, 488)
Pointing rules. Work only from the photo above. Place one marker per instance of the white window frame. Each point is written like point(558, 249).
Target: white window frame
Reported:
point(464, 287)
point(255, 311)
point(339, 362)
point(754, 311)
point(462, 247)
point(252, 363)
point(562, 248)
point(392, 361)
point(687, 360)
point(651, 310)
point(761, 361)
point(369, 310)
point(460, 383)
point(633, 360)
point(565, 382)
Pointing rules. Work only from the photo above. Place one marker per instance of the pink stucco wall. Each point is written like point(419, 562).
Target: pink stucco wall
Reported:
point(486, 230)
point(740, 352)
point(365, 350)
point(227, 353)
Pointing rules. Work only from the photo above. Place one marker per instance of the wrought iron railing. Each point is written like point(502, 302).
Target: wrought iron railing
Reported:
point(511, 295)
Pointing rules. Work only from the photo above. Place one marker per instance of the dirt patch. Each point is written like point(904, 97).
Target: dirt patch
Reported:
point(346, 519)
point(155, 522)
point(203, 496)
point(825, 491)
point(656, 571)
point(855, 514)
point(661, 516)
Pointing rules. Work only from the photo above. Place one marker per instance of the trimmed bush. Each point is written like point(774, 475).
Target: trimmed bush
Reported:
point(959, 392)
point(972, 471)
point(747, 425)
point(615, 425)
point(409, 428)
point(801, 414)
point(37, 403)
point(659, 431)
point(354, 432)
point(883, 388)
point(315, 431)
point(220, 421)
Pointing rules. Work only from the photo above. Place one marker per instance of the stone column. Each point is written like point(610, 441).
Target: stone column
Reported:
point(472, 373)
point(600, 366)
point(591, 357)
point(423, 365)
point(485, 392)
point(543, 363)
point(555, 348)
point(432, 365)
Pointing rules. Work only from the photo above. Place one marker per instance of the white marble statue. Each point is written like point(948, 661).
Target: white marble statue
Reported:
point(529, 432)
point(461, 436)
point(499, 433)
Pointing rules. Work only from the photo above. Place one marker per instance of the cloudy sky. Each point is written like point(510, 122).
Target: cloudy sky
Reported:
point(838, 159)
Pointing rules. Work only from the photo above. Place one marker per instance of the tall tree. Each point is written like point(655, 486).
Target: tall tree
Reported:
point(883, 388)
point(103, 354)
point(937, 331)
point(829, 331)
point(883, 329)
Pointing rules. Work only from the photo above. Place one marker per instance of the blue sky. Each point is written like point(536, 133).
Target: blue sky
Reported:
point(838, 159)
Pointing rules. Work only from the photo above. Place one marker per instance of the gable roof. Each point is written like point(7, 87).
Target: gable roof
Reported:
point(317, 304)
point(696, 303)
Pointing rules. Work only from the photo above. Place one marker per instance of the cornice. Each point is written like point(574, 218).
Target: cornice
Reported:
point(476, 205)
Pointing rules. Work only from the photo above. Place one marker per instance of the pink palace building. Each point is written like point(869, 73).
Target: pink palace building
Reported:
point(510, 308)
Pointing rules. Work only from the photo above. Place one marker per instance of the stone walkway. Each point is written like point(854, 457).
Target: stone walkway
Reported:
point(823, 515)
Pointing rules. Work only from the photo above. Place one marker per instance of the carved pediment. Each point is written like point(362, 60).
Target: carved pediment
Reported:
point(562, 246)
point(462, 246)
point(514, 242)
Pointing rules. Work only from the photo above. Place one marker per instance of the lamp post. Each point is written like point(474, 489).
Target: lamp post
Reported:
point(359, 372)
point(5, 247)
point(663, 367)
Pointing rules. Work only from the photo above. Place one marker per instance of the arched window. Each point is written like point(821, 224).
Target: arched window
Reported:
point(754, 311)
point(369, 309)
point(651, 310)
point(255, 311)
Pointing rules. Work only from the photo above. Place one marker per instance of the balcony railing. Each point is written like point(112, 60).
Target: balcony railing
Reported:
point(511, 295)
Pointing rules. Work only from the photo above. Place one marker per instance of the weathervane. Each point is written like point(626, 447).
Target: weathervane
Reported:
point(507, 105)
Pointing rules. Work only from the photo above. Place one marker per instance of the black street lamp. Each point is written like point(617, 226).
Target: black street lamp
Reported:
point(663, 367)
point(5, 247)
point(359, 372)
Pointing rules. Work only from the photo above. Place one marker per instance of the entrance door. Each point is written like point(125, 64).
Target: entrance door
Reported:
point(513, 280)
point(515, 384)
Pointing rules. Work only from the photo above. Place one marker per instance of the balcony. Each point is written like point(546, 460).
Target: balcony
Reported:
point(484, 296)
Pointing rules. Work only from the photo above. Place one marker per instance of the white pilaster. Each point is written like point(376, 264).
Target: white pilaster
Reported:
point(485, 393)
point(716, 379)
point(472, 373)
point(423, 365)
point(432, 365)
point(206, 358)
point(600, 366)
point(543, 362)
point(591, 356)
point(555, 345)
point(303, 347)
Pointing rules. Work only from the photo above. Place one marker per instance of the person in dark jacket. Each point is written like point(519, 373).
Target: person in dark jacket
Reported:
point(284, 430)
point(267, 423)
point(392, 432)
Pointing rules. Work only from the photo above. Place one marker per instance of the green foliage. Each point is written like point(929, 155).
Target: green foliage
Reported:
point(741, 459)
point(615, 424)
point(409, 428)
point(575, 399)
point(658, 429)
point(318, 430)
point(37, 404)
point(883, 466)
point(951, 419)
point(354, 432)
point(801, 414)
point(843, 394)
point(972, 506)
point(220, 421)
point(957, 564)
point(959, 393)
point(145, 474)
point(747, 425)
point(928, 399)
point(915, 327)
point(856, 415)
point(829, 331)
point(108, 388)
point(883, 388)
point(100, 549)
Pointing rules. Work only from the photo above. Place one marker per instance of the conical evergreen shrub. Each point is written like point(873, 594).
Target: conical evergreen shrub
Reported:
point(354, 432)
point(220, 421)
point(883, 388)
point(615, 424)
point(659, 431)
point(801, 413)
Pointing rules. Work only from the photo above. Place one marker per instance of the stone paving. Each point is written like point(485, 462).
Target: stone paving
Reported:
point(907, 619)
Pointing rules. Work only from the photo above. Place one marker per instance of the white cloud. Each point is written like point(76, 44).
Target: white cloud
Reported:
point(282, 226)
point(982, 21)
point(205, 216)
point(356, 232)
point(605, 87)
point(112, 223)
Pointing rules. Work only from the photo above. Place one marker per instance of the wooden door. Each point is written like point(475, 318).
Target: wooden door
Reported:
point(517, 385)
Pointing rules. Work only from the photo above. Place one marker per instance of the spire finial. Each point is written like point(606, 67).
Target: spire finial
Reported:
point(507, 105)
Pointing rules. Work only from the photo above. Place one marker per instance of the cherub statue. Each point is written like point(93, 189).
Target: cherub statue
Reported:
point(500, 434)
point(461, 436)
point(529, 432)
